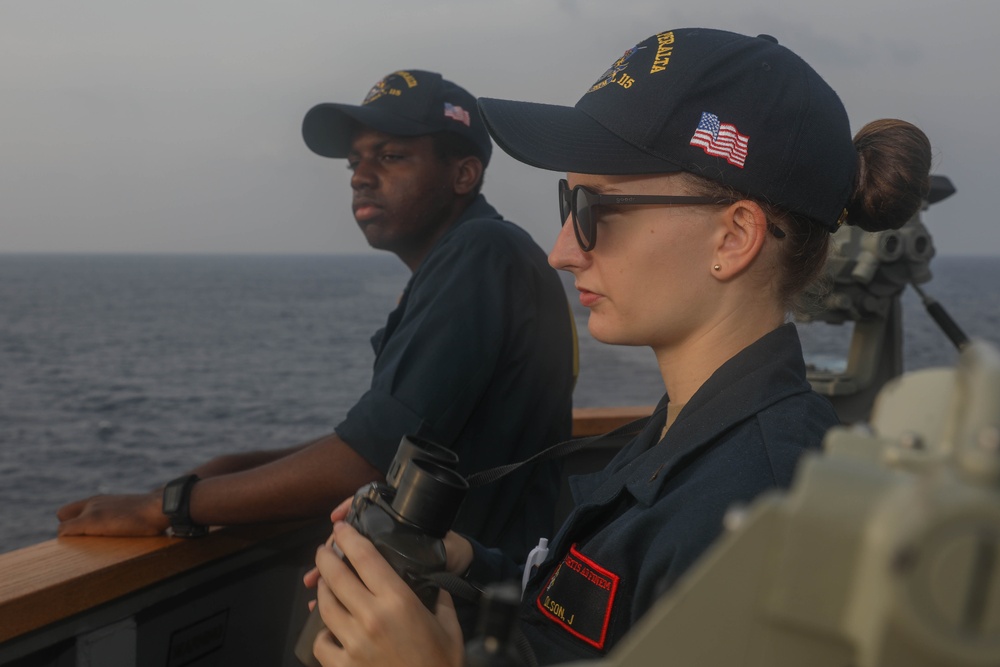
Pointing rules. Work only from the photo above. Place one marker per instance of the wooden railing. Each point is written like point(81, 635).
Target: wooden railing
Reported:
point(57, 579)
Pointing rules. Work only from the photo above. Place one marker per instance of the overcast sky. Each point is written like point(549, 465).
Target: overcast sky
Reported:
point(130, 126)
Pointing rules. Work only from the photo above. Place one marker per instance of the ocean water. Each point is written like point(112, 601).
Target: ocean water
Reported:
point(120, 372)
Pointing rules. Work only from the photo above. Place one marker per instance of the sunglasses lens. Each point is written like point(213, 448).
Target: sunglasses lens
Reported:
point(565, 197)
point(584, 219)
point(577, 202)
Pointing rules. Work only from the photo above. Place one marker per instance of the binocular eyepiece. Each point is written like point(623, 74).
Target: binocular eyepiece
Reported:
point(428, 491)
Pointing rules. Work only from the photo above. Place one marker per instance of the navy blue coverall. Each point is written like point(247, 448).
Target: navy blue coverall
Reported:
point(643, 520)
point(478, 357)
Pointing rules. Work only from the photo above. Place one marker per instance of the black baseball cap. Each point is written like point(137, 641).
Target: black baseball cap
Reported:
point(743, 111)
point(407, 103)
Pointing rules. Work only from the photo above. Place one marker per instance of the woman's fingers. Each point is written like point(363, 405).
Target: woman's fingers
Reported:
point(371, 567)
point(339, 512)
point(310, 578)
point(342, 582)
point(327, 649)
point(373, 616)
point(448, 618)
point(459, 553)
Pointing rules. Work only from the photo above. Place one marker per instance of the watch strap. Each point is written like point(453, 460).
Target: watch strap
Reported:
point(177, 507)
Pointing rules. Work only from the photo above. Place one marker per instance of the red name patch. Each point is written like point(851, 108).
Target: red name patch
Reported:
point(579, 596)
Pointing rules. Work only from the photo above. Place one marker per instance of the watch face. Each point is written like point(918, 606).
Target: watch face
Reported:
point(175, 506)
point(172, 498)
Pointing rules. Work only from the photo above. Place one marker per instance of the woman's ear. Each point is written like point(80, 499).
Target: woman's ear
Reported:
point(740, 237)
point(468, 173)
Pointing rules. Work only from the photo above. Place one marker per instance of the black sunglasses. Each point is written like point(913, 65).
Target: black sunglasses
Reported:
point(579, 201)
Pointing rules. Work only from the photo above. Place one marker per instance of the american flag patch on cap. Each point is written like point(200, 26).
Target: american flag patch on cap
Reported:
point(721, 139)
point(457, 113)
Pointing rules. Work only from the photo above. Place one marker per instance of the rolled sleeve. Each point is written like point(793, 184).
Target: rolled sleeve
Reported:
point(438, 358)
point(379, 421)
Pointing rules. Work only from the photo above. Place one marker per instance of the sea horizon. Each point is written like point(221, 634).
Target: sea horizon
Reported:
point(117, 374)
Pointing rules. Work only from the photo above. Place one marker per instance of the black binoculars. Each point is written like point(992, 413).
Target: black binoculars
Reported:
point(406, 518)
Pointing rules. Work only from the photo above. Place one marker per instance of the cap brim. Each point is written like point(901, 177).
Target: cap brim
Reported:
point(560, 138)
point(329, 128)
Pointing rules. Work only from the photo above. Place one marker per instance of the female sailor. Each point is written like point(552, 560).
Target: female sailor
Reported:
point(705, 171)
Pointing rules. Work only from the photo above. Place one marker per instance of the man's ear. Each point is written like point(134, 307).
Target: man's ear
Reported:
point(740, 237)
point(468, 173)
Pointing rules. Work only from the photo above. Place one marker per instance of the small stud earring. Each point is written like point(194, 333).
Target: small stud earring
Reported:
point(717, 267)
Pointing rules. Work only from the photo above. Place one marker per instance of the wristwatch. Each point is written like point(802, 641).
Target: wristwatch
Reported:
point(177, 507)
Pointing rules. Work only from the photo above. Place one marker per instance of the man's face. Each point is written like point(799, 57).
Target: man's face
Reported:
point(403, 192)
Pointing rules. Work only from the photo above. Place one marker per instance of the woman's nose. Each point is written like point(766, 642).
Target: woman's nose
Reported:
point(566, 253)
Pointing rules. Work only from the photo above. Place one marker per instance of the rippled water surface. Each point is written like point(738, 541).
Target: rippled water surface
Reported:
point(119, 372)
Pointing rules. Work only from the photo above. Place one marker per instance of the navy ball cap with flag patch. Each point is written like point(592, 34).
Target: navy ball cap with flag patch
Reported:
point(742, 111)
point(406, 103)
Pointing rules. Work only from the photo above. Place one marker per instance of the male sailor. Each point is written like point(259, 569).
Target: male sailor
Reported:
point(477, 355)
